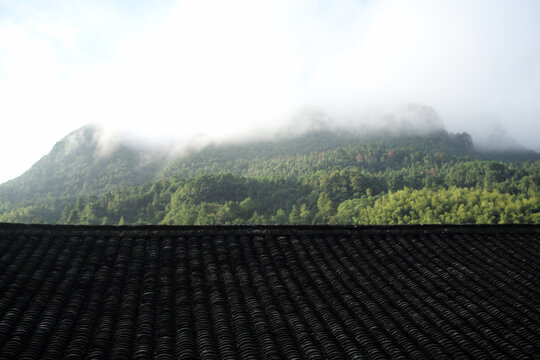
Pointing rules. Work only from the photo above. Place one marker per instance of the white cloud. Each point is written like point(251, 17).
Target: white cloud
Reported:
point(188, 67)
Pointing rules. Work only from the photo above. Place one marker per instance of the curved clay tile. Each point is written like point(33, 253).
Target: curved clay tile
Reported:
point(269, 292)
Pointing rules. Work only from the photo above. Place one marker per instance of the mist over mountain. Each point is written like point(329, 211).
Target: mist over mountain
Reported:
point(85, 162)
point(93, 160)
point(174, 71)
point(95, 175)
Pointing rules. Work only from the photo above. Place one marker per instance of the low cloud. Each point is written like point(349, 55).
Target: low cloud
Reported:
point(215, 70)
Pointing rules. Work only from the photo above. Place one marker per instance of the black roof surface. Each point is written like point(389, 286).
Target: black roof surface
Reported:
point(269, 292)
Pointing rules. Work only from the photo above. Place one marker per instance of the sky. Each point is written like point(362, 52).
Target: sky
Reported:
point(178, 69)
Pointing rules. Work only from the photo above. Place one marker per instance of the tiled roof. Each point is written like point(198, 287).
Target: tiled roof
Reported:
point(269, 292)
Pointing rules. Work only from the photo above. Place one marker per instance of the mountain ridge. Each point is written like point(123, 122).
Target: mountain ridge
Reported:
point(90, 170)
point(89, 162)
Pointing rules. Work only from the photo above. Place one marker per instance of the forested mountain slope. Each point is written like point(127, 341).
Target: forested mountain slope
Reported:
point(321, 176)
point(86, 162)
point(80, 165)
point(321, 149)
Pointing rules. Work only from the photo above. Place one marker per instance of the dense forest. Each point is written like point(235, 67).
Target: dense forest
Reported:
point(318, 178)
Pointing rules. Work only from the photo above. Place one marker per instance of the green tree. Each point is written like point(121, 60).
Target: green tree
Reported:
point(325, 206)
point(294, 216)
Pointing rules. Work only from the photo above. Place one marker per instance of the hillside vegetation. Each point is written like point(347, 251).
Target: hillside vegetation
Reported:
point(319, 177)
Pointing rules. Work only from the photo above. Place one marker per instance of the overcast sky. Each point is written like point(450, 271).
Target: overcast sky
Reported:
point(182, 68)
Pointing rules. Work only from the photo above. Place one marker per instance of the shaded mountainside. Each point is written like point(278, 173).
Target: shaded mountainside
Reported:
point(320, 176)
point(321, 149)
point(270, 292)
point(80, 165)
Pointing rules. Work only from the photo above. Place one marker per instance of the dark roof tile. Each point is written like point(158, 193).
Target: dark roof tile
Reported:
point(269, 292)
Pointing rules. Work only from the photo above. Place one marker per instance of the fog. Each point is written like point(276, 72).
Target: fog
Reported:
point(208, 70)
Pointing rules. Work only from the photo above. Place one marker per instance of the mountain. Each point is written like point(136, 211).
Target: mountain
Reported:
point(85, 162)
point(90, 161)
point(324, 175)
point(286, 154)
